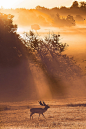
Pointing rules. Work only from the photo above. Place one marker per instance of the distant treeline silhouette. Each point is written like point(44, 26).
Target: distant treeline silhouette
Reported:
point(57, 17)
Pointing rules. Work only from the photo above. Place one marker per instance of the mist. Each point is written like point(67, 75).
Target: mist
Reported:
point(50, 76)
point(43, 65)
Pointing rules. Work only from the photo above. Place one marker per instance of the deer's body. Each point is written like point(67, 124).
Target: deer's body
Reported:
point(39, 110)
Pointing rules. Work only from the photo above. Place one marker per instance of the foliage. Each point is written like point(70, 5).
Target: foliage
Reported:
point(11, 47)
point(45, 45)
point(83, 4)
point(6, 24)
point(15, 73)
point(75, 4)
point(68, 21)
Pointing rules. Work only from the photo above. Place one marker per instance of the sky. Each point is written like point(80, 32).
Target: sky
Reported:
point(33, 3)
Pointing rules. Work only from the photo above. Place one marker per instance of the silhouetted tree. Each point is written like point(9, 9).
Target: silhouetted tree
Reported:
point(47, 56)
point(38, 7)
point(15, 74)
point(44, 46)
point(61, 22)
point(6, 24)
point(41, 8)
point(75, 4)
point(11, 47)
point(70, 20)
point(83, 5)
point(63, 9)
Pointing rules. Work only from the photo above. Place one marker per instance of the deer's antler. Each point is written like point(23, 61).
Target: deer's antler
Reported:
point(44, 103)
point(41, 103)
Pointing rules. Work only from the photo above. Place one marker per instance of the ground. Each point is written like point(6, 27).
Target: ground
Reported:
point(62, 114)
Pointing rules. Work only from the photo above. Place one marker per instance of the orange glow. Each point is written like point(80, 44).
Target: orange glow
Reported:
point(9, 3)
point(33, 3)
point(46, 3)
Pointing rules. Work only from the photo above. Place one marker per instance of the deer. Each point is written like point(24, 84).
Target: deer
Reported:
point(39, 110)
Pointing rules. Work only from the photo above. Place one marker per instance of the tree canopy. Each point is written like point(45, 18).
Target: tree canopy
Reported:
point(11, 47)
point(6, 24)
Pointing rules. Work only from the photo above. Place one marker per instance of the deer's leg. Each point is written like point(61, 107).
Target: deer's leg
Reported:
point(31, 115)
point(43, 115)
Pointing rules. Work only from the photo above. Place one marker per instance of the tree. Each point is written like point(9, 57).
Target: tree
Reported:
point(75, 4)
point(6, 24)
point(15, 74)
point(11, 47)
point(61, 22)
point(38, 7)
point(44, 46)
point(70, 20)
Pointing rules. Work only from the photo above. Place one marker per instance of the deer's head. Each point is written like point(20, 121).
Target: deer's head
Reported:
point(43, 104)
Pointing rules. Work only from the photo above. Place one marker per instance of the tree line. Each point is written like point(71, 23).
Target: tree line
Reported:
point(56, 17)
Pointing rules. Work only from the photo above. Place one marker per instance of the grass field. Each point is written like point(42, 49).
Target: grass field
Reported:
point(64, 114)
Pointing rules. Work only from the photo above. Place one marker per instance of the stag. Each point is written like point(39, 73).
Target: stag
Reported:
point(39, 110)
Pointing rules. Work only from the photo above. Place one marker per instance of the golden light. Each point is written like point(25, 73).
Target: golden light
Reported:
point(9, 3)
